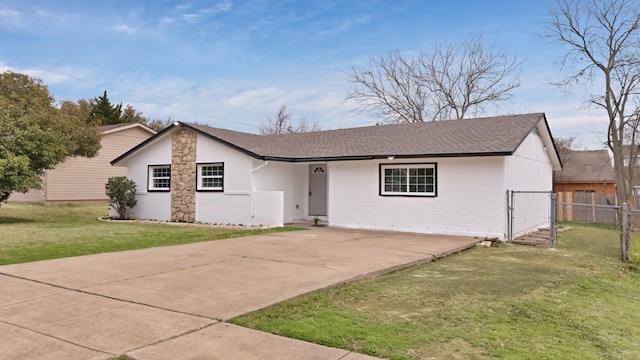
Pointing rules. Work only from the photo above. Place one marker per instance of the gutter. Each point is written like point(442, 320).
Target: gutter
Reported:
point(253, 204)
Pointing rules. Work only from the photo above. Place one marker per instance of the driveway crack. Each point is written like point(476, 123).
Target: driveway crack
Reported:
point(110, 297)
point(57, 338)
point(174, 336)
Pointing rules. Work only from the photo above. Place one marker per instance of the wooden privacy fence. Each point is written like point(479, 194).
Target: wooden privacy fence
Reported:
point(588, 207)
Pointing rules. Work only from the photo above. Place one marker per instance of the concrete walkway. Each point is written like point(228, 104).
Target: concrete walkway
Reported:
point(172, 302)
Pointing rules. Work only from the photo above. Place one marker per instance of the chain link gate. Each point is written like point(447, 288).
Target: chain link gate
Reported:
point(530, 212)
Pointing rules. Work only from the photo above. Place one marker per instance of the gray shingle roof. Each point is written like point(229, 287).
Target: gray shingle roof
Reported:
point(499, 135)
point(586, 166)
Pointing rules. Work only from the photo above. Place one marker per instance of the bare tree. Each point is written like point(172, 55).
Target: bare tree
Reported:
point(450, 82)
point(566, 145)
point(282, 124)
point(159, 124)
point(602, 38)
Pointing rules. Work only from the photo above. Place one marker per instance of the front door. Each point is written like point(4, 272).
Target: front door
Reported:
point(318, 190)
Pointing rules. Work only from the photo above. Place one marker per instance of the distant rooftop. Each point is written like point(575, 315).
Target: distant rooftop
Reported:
point(586, 166)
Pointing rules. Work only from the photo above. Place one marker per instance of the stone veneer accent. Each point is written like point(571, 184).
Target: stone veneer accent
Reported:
point(183, 176)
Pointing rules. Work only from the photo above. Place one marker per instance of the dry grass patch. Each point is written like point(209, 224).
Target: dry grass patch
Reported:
point(510, 302)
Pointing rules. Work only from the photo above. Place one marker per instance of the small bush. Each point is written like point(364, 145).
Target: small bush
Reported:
point(122, 195)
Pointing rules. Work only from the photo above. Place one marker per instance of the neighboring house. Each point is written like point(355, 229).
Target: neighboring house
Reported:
point(444, 177)
point(585, 171)
point(80, 179)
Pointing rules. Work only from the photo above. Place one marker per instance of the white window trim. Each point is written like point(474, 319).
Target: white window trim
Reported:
point(199, 186)
point(151, 178)
point(381, 178)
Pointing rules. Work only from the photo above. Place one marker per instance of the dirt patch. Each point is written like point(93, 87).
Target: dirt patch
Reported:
point(456, 349)
point(478, 276)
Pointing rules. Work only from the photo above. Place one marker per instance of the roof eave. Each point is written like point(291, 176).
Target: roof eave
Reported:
point(129, 126)
point(387, 157)
point(231, 145)
point(142, 144)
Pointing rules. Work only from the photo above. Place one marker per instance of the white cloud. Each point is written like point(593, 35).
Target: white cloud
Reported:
point(125, 29)
point(48, 77)
point(195, 15)
point(253, 97)
point(167, 20)
point(223, 6)
point(346, 24)
point(10, 17)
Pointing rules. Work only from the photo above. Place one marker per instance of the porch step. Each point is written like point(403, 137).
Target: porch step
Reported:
point(539, 238)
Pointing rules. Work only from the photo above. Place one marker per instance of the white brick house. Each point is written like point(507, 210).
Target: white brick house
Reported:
point(446, 177)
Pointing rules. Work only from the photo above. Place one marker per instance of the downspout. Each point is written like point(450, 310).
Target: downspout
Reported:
point(253, 187)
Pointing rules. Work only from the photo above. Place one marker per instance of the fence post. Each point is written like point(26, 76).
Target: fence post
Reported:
point(511, 207)
point(552, 221)
point(624, 220)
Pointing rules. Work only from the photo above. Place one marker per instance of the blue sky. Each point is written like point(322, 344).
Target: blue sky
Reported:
point(231, 64)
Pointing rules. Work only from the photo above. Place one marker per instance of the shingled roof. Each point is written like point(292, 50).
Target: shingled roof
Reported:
point(586, 166)
point(482, 136)
point(500, 135)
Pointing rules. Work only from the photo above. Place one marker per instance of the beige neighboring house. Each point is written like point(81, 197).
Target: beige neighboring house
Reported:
point(80, 179)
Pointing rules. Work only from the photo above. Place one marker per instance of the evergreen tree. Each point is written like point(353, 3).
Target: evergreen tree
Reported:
point(105, 113)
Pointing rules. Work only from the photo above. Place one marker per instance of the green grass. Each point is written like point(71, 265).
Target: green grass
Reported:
point(509, 302)
point(39, 232)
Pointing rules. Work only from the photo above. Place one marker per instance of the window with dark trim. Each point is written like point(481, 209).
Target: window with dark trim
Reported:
point(210, 177)
point(159, 178)
point(408, 179)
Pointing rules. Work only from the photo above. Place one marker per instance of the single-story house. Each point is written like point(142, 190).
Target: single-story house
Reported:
point(585, 171)
point(80, 179)
point(444, 177)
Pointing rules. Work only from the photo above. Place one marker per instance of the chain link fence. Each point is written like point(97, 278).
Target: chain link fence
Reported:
point(531, 212)
point(596, 209)
point(533, 215)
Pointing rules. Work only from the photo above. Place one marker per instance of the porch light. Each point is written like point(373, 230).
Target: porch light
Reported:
point(391, 157)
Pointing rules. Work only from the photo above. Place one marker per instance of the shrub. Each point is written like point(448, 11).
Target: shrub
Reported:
point(122, 195)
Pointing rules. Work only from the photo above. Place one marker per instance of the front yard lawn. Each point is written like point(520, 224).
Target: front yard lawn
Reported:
point(509, 302)
point(38, 232)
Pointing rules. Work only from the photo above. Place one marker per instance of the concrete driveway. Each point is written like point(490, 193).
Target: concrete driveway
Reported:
point(172, 302)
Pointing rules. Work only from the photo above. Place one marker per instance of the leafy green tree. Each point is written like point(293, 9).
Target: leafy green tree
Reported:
point(103, 112)
point(129, 114)
point(35, 135)
point(83, 138)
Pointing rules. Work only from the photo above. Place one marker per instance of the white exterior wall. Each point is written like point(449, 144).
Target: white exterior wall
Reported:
point(268, 208)
point(151, 205)
point(287, 178)
point(470, 198)
point(530, 169)
point(233, 205)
